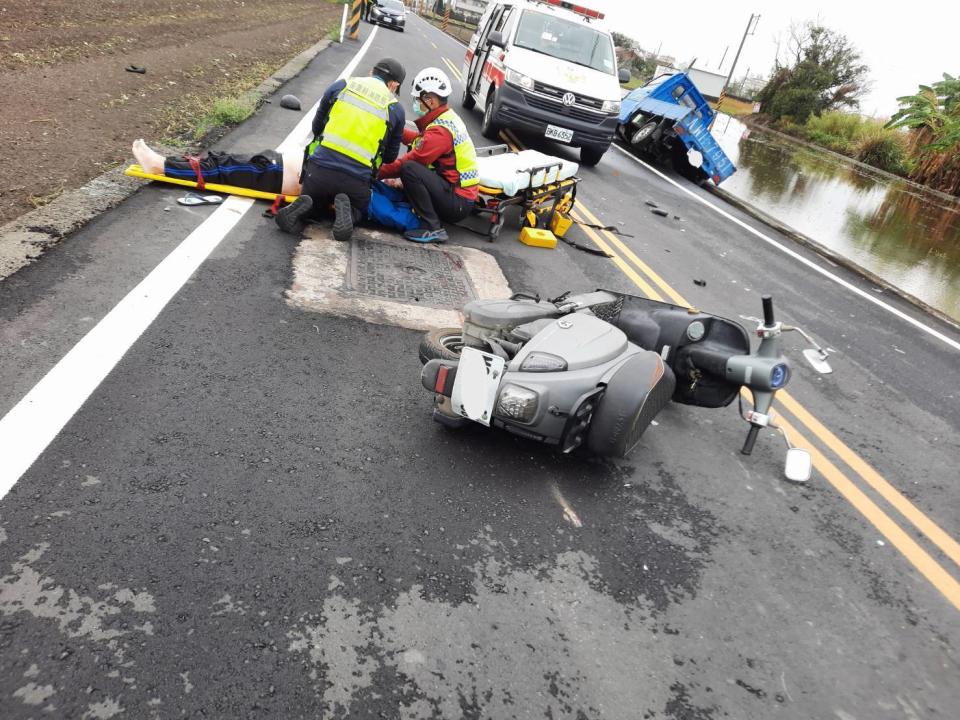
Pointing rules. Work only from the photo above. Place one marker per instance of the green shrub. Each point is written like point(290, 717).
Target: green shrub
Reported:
point(884, 149)
point(836, 143)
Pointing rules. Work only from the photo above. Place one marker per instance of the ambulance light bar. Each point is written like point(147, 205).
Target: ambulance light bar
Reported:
point(579, 9)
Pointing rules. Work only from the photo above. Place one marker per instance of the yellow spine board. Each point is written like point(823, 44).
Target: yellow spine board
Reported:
point(538, 237)
point(137, 171)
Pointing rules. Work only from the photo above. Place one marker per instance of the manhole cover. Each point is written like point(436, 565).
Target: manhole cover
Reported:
point(409, 273)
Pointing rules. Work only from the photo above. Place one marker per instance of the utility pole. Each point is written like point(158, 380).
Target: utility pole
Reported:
point(725, 50)
point(751, 28)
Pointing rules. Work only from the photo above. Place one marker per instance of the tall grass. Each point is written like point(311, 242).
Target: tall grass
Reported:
point(864, 139)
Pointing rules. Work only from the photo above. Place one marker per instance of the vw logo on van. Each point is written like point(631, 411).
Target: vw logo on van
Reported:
point(569, 99)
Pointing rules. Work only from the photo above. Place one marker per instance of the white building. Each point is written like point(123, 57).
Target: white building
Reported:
point(470, 9)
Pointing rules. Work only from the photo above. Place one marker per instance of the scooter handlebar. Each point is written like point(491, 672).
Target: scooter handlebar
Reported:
point(768, 318)
point(753, 371)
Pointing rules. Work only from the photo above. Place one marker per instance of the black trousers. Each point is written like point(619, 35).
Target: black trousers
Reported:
point(432, 197)
point(322, 184)
point(263, 171)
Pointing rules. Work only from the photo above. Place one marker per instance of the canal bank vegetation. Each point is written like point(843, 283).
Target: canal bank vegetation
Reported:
point(813, 92)
point(861, 138)
point(932, 117)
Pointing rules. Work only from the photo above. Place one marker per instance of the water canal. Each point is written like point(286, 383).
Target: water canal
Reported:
point(905, 234)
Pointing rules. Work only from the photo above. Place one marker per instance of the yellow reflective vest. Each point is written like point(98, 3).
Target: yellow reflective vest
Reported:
point(463, 148)
point(358, 120)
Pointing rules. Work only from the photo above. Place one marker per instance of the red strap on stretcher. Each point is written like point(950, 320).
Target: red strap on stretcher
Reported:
point(277, 202)
point(195, 166)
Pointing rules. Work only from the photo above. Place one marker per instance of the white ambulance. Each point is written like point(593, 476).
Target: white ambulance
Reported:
point(547, 67)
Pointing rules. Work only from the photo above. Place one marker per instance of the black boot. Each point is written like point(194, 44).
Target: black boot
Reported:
point(343, 222)
point(292, 218)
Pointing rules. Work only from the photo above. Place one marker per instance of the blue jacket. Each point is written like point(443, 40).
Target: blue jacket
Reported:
point(325, 157)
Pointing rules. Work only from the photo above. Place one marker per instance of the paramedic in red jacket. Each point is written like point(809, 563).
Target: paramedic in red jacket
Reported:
point(439, 174)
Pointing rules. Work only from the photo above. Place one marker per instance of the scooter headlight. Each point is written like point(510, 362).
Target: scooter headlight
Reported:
point(543, 362)
point(517, 403)
point(779, 376)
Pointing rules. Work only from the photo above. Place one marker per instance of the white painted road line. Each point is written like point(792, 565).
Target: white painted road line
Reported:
point(797, 256)
point(33, 423)
point(826, 273)
point(436, 29)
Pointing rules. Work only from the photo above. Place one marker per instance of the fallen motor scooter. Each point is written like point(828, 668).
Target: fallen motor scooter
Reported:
point(595, 369)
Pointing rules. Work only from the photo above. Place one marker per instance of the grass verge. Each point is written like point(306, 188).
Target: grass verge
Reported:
point(199, 115)
point(225, 112)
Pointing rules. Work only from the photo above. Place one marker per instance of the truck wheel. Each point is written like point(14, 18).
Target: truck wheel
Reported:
point(638, 390)
point(681, 164)
point(590, 156)
point(442, 344)
point(489, 128)
point(467, 101)
point(641, 138)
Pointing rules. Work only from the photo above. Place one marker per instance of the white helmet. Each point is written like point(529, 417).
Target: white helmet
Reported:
point(431, 80)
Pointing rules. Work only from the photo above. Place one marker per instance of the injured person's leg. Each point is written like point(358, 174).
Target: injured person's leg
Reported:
point(267, 171)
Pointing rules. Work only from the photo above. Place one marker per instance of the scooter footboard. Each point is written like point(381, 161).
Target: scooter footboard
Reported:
point(639, 390)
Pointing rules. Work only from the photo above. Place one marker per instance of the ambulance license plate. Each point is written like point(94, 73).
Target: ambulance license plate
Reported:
point(558, 133)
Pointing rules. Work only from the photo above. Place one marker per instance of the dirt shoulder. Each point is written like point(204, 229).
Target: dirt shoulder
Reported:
point(71, 110)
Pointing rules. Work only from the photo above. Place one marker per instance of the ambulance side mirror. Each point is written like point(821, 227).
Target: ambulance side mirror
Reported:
point(496, 38)
point(624, 76)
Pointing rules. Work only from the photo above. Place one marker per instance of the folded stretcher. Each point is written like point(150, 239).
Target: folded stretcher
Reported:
point(542, 186)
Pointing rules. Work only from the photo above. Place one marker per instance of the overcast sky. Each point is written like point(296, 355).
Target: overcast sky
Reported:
point(902, 48)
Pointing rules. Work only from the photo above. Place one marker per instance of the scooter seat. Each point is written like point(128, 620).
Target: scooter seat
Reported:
point(506, 314)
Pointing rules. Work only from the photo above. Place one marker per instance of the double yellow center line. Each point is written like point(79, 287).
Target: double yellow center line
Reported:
point(655, 287)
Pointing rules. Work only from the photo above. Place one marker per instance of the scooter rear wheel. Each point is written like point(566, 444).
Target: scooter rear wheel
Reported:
point(442, 344)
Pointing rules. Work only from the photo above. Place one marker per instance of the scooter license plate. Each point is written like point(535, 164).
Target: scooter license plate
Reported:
point(475, 389)
point(558, 133)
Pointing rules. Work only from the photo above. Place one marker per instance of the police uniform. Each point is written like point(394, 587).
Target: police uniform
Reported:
point(358, 126)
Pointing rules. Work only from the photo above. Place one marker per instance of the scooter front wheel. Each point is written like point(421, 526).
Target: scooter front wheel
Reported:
point(442, 344)
point(638, 390)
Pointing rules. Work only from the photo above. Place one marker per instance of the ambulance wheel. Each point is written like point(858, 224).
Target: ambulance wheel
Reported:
point(467, 100)
point(442, 344)
point(590, 156)
point(489, 127)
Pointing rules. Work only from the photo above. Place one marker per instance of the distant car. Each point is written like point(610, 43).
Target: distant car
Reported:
point(389, 13)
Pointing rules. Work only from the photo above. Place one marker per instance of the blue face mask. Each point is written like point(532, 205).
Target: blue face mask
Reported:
point(418, 109)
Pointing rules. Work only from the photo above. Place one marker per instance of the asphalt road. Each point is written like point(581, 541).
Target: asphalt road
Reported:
point(252, 515)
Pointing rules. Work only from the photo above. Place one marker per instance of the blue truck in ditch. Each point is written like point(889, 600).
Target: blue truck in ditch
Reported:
point(669, 118)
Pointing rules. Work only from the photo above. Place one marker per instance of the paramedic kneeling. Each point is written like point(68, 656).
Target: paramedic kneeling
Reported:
point(439, 174)
point(358, 124)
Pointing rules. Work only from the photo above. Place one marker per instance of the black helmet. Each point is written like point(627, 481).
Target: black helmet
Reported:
point(390, 69)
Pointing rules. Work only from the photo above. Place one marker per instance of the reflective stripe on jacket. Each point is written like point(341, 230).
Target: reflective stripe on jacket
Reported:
point(465, 154)
point(358, 120)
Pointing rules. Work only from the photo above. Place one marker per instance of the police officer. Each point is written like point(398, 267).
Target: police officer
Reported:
point(358, 125)
point(439, 173)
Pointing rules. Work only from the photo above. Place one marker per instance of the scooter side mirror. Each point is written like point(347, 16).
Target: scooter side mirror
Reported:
point(798, 466)
point(818, 359)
